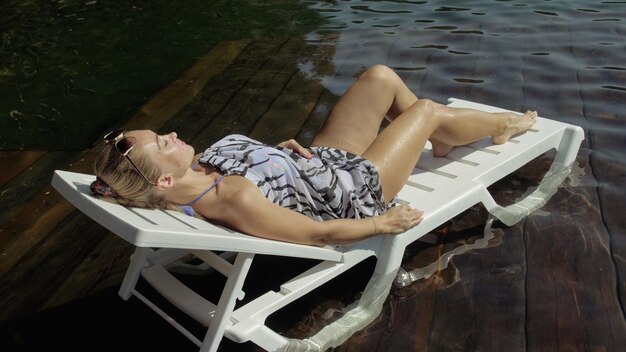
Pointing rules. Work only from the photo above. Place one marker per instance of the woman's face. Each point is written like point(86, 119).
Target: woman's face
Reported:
point(174, 155)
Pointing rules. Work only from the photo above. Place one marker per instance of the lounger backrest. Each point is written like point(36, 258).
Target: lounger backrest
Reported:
point(172, 229)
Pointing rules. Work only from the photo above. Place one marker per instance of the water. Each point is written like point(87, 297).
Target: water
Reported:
point(71, 69)
point(549, 55)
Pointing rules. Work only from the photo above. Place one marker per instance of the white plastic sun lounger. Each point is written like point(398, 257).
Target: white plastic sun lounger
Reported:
point(442, 187)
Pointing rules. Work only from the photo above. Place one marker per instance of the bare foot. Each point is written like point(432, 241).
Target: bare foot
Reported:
point(515, 124)
point(440, 149)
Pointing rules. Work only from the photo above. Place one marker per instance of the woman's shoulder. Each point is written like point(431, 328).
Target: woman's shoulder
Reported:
point(228, 186)
point(235, 186)
point(232, 192)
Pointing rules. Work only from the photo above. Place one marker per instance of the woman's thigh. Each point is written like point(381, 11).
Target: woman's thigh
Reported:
point(354, 121)
point(398, 147)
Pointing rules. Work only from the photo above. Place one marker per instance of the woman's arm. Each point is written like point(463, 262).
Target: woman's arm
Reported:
point(247, 210)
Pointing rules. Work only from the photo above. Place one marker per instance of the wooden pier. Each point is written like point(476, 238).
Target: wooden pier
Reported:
point(550, 283)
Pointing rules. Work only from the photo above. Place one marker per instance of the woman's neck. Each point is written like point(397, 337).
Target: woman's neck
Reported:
point(192, 184)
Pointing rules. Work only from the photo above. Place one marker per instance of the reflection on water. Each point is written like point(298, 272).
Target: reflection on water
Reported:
point(491, 50)
point(406, 278)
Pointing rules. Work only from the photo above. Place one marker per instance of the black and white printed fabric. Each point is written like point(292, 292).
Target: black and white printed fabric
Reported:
point(333, 184)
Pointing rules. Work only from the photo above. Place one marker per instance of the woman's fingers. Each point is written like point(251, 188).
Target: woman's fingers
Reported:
point(401, 218)
point(414, 216)
point(296, 147)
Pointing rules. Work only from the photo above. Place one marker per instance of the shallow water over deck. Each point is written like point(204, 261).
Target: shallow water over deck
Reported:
point(555, 281)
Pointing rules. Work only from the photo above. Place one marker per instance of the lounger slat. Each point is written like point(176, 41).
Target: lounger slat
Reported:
point(161, 218)
point(193, 221)
point(429, 180)
point(444, 165)
point(416, 197)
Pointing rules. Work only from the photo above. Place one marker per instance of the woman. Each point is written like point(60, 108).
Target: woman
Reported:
point(340, 190)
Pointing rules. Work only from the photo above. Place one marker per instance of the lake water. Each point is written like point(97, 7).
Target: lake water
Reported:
point(71, 69)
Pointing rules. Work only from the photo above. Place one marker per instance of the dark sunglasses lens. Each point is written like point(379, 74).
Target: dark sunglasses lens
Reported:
point(124, 145)
point(111, 136)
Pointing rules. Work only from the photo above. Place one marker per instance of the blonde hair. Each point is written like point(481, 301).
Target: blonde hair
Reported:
point(130, 187)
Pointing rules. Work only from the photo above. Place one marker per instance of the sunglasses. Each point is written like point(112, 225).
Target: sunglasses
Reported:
point(124, 145)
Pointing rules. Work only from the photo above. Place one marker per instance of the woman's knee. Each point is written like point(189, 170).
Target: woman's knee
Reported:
point(381, 73)
point(432, 108)
point(426, 107)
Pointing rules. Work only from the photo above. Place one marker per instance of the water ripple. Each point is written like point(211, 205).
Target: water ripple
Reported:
point(468, 80)
point(467, 32)
point(368, 9)
point(623, 89)
point(442, 27)
point(431, 46)
point(448, 9)
point(546, 13)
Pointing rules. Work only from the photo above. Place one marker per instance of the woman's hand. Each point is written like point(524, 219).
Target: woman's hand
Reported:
point(398, 219)
point(296, 147)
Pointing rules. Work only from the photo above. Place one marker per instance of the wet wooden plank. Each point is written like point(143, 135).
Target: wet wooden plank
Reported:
point(485, 309)
point(15, 162)
point(168, 102)
point(44, 267)
point(605, 132)
point(21, 190)
point(573, 303)
point(467, 294)
point(33, 222)
point(563, 312)
point(255, 98)
point(197, 117)
point(289, 111)
point(611, 176)
point(316, 118)
point(103, 268)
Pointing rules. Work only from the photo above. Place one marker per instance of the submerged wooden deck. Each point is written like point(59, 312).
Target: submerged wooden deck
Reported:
point(550, 283)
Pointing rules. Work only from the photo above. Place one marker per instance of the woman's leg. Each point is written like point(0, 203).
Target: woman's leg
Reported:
point(354, 122)
point(397, 148)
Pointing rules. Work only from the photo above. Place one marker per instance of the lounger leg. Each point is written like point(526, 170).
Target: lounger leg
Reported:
point(559, 170)
point(570, 143)
point(138, 261)
point(225, 307)
point(367, 308)
point(389, 257)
